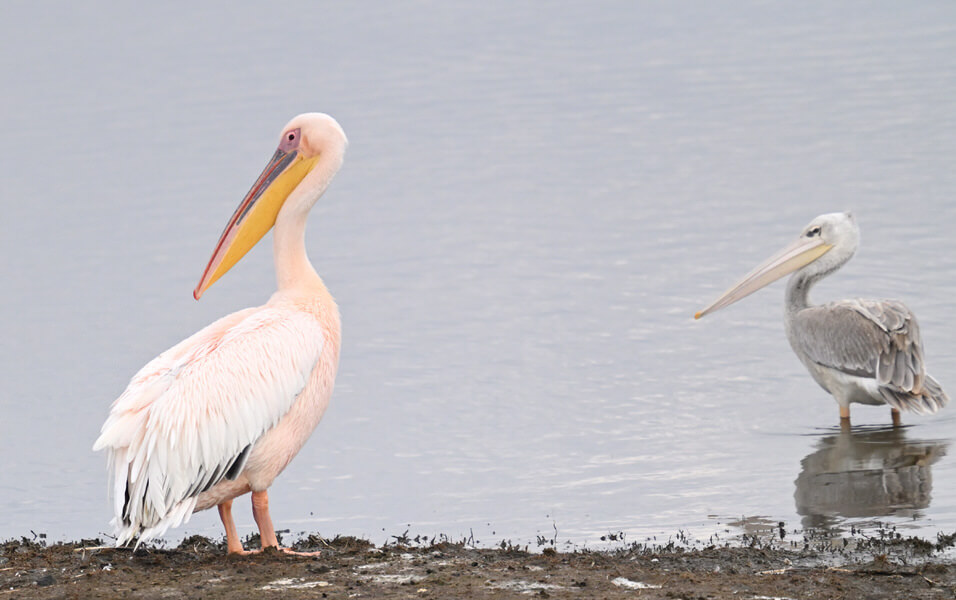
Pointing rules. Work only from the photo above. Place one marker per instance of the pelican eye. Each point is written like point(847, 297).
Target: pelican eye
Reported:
point(290, 140)
point(814, 231)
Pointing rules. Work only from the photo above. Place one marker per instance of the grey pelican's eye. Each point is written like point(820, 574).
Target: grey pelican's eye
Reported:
point(813, 232)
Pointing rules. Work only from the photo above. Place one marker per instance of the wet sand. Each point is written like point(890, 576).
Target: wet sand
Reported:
point(877, 567)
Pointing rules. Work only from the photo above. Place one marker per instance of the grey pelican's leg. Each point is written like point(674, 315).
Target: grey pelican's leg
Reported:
point(844, 414)
point(845, 418)
point(896, 417)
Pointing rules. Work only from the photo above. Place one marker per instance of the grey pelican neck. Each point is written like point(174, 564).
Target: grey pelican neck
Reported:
point(798, 287)
point(798, 292)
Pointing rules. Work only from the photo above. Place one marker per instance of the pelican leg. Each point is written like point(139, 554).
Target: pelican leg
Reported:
point(896, 417)
point(260, 512)
point(233, 545)
point(844, 413)
point(267, 533)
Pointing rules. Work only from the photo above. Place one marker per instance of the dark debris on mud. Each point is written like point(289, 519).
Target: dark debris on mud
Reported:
point(877, 567)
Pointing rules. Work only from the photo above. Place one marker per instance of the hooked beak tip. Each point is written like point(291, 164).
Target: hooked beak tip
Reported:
point(697, 315)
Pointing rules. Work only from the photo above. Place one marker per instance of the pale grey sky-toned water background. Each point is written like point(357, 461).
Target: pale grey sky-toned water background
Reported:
point(536, 199)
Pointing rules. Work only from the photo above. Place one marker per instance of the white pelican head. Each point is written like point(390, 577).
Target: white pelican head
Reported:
point(822, 247)
point(287, 179)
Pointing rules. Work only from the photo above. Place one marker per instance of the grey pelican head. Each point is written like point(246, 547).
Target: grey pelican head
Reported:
point(821, 248)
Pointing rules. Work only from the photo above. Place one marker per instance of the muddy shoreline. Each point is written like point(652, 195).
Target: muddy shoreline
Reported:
point(883, 566)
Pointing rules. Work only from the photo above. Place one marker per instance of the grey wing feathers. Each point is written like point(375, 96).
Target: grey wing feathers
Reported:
point(900, 362)
point(929, 399)
point(870, 338)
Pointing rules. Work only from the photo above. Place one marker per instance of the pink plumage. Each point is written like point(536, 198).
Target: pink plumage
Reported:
point(223, 412)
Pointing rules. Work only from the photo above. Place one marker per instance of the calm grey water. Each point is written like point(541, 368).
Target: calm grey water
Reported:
point(535, 201)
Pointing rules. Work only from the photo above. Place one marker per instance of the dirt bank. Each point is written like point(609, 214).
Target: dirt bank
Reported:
point(353, 568)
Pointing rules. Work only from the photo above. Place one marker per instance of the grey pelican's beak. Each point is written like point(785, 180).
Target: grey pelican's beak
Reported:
point(798, 254)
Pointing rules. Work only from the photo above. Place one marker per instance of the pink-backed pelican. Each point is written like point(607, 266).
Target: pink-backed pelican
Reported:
point(864, 351)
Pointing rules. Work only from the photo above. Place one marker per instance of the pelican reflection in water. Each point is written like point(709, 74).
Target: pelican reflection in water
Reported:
point(865, 474)
point(864, 351)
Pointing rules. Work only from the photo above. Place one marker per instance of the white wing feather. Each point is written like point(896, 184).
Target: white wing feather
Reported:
point(190, 417)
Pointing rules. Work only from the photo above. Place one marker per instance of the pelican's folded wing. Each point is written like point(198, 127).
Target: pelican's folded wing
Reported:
point(190, 417)
point(865, 338)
